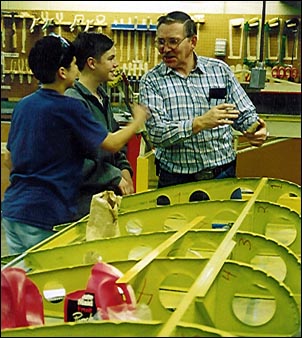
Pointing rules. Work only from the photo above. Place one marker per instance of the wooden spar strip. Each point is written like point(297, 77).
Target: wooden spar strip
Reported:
point(202, 284)
point(155, 252)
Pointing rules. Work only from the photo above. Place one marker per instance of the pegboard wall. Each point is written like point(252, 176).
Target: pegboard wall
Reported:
point(236, 40)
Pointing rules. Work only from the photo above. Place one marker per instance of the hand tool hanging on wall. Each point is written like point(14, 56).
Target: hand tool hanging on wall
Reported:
point(114, 38)
point(129, 41)
point(28, 72)
point(121, 41)
point(283, 70)
point(13, 69)
point(44, 18)
point(129, 99)
point(250, 27)
point(100, 20)
point(3, 68)
point(290, 31)
point(291, 72)
point(59, 20)
point(78, 20)
point(258, 73)
point(128, 92)
point(47, 22)
point(24, 16)
point(88, 25)
point(129, 74)
point(2, 32)
point(23, 35)
point(148, 39)
point(272, 29)
point(21, 69)
point(117, 83)
point(140, 73)
point(14, 30)
point(135, 40)
point(143, 44)
point(235, 25)
point(198, 18)
point(34, 24)
point(136, 70)
point(156, 53)
point(155, 56)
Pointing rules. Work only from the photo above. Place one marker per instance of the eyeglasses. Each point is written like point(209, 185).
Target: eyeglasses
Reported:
point(171, 43)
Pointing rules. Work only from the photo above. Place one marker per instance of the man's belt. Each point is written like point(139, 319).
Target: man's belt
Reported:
point(208, 174)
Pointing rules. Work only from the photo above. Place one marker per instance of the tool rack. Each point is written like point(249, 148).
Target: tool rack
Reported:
point(131, 27)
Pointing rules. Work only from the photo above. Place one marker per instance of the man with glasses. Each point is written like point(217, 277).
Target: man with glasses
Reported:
point(50, 136)
point(194, 103)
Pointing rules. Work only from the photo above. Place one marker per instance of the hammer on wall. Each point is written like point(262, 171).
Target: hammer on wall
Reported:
point(14, 30)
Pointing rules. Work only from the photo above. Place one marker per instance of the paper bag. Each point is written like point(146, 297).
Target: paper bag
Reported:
point(103, 218)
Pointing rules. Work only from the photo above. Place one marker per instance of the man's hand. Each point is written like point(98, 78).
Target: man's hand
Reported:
point(257, 138)
point(224, 113)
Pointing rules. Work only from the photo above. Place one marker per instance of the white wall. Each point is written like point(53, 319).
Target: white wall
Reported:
point(219, 7)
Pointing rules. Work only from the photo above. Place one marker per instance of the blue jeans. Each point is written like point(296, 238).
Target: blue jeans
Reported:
point(21, 237)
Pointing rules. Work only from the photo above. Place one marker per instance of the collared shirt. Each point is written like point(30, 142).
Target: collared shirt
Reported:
point(103, 113)
point(50, 136)
point(104, 172)
point(175, 100)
